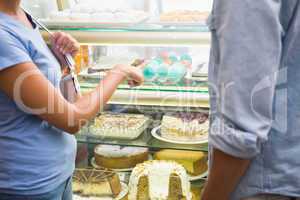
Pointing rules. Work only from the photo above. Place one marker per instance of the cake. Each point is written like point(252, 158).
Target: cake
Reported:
point(185, 127)
point(159, 180)
point(116, 157)
point(197, 192)
point(194, 162)
point(119, 126)
point(91, 182)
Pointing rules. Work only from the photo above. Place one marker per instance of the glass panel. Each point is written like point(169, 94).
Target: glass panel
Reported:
point(145, 140)
point(89, 134)
point(125, 15)
point(182, 69)
point(147, 27)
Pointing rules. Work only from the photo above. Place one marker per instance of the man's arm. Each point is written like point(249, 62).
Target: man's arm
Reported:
point(226, 171)
point(246, 55)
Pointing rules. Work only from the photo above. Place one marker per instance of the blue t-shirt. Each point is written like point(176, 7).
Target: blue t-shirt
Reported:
point(35, 158)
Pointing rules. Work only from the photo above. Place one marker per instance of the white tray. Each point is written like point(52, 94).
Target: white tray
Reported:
point(199, 177)
point(122, 194)
point(68, 23)
point(156, 133)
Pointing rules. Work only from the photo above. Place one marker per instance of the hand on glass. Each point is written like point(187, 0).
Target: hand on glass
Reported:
point(134, 75)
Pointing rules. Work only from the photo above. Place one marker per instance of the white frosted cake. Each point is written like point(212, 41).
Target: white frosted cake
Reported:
point(117, 157)
point(159, 180)
point(119, 126)
point(185, 127)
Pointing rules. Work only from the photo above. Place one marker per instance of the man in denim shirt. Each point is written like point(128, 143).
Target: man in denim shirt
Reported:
point(254, 78)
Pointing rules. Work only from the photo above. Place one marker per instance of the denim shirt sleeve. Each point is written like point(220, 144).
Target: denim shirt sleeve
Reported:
point(12, 50)
point(245, 58)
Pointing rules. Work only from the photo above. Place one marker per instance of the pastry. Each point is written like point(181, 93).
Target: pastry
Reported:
point(163, 180)
point(119, 126)
point(116, 157)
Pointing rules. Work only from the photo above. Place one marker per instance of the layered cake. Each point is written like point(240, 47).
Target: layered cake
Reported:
point(185, 127)
point(194, 162)
point(99, 183)
point(119, 126)
point(163, 180)
point(116, 157)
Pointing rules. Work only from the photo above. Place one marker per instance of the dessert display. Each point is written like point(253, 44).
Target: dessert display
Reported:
point(164, 180)
point(96, 183)
point(87, 12)
point(185, 127)
point(119, 126)
point(168, 68)
point(190, 16)
point(116, 157)
point(194, 162)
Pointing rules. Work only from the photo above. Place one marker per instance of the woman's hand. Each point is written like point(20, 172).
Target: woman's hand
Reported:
point(134, 75)
point(62, 44)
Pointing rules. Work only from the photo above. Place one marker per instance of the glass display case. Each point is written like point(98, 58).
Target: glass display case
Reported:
point(173, 43)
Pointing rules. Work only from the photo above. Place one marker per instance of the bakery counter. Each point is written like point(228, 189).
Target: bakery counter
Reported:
point(113, 168)
point(137, 38)
point(115, 187)
point(166, 130)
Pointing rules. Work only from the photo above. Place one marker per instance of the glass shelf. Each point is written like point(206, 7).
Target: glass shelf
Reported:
point(200, 88)
point(158, 98)
point(145, 140)
point(139, 37)
point(157, 95)
point(150, 27)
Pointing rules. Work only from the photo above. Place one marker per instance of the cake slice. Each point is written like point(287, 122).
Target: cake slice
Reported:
point(194, 162)
point(100, 183)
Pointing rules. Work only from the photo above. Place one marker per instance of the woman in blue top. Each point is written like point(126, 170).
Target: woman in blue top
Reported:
point(37, 148)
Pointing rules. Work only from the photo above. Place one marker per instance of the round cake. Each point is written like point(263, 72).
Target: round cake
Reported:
point(163, 180)
point(185, 127)
point(117, 157)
